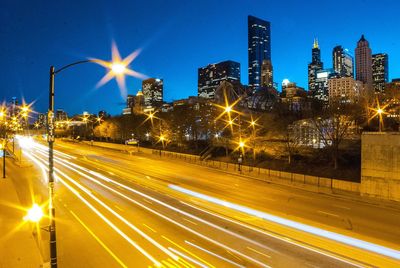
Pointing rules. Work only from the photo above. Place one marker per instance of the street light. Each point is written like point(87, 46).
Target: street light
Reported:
point(118, 68)
point(34, 214)
point(379, 112)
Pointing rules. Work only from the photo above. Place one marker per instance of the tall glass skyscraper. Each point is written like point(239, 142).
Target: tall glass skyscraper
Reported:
point(342, 62)
point(259, 43)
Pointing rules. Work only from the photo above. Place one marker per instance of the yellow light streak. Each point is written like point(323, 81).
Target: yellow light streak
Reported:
point(187, 251)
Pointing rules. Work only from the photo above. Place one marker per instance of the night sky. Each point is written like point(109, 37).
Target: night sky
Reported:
point(176, 37)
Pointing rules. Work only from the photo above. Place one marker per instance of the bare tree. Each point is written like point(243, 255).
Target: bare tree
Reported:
point(334, 125)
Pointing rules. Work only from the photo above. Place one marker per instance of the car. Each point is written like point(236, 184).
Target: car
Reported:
point(132, 142)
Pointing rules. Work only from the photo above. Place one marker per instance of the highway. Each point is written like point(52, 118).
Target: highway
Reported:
point(116, 210)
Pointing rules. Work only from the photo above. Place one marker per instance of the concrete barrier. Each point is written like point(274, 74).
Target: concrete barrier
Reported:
point(311, 180)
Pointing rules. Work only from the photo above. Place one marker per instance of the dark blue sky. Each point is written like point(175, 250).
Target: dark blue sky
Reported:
point(177, 37)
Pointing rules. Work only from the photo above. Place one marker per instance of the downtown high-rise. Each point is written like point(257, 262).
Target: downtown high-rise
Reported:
point(314, 67)
point(212, 75)
point(343, 63)
point(364, 63)
point(380, 71)
point(153, 89)
point(259, 48)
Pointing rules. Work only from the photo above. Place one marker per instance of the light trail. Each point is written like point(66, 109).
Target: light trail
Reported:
point(214, 254)
point(167, 218)
point(133, 227)
point(160, 202)
point(284, 239)
point(299, 226)
point(187, 257)
point(121, 233)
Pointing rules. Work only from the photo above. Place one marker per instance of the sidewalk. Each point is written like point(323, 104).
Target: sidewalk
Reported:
point(17, 245)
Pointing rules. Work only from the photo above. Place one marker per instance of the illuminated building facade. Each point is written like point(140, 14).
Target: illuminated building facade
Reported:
point(211, 76)
point(313, 67)
point(267, 80)
point(380, 71)
point(343, 63)
point(153, 89)
point(364, 63)
point(259, 48)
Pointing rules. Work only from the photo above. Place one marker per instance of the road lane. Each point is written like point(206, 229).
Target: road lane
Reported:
point(365, 221)
point(226, 247)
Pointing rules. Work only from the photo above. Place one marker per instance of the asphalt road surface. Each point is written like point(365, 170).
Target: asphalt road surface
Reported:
point(115, 210)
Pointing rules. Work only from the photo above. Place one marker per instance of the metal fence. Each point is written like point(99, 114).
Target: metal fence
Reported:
point(264, 174)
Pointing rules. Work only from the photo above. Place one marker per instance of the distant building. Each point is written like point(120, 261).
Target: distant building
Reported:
point(262, 99)
point(305, 133)
point(61, 115)
point(343, 63)
point(267, 80)
point(259, 48)
point(364, 63)
point(102, 114)
point(392, 99)
point(313, 67)
point(321, 84)
point(42, 120)
point(152, 89)
point(344, 89)
point(295, 97)
point(139, 103)
point(380, 71)
point(211, 76)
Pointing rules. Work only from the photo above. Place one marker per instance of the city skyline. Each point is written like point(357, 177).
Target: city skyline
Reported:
point(26, 72)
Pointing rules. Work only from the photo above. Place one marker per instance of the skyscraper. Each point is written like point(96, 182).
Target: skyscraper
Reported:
point(322, 77)
point(259, 47)
point(380, 71)
point(211, 76)
point(267, 74)
point(342, 62)
point(314, 66)
point(364, 63)
point(152, 89)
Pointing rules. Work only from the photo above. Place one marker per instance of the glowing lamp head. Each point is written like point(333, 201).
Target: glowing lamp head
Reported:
point(228, 109)
point(1, 114)
point(380, 111)
point(253, 123)
point(25, 109)
point(162, 138)
point(241, 144)
point(118, 68)
point(230, 122)
point(34, 214)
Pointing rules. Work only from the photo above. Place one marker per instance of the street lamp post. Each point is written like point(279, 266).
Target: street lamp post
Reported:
point(117, 68)
point(50, 138)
